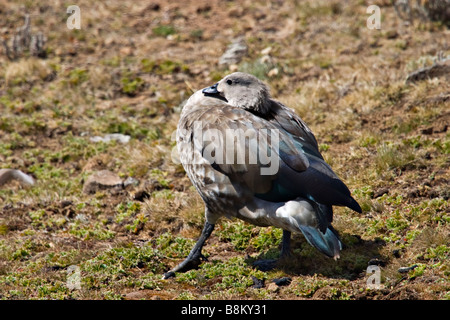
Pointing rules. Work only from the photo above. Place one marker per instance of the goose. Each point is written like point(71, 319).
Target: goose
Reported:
point(251, 157)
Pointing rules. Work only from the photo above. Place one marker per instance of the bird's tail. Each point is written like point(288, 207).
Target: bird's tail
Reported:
point(327, 243)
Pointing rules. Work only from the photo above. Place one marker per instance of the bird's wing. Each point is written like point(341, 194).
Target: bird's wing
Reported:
point(296, 168)
point(243, 146)
point(293, 125)
point(318, 183)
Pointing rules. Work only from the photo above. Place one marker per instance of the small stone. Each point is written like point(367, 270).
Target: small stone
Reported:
point(376, 262)
point(7, 175)
point(131, 181)
point(257, 283)
point(122, 138)
point(102, 180)
point(265, 59)
point(396, 253)
point(380, 192)
point(235, 52)
point(135, 295)
point(439, 69)
point(428, 130)
point(272, 287)
point(82, 218)
point(233, 67)
point(266, 51)
point(141, 195)
point(126, 51)
point(273, 72)
point(407, 269)
point(285, 281)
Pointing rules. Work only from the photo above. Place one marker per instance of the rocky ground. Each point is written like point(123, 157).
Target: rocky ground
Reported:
point(93, 205)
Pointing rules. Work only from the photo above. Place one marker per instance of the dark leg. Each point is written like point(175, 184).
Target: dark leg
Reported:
point(286, 244)
point(269, 264)
point(195, 257)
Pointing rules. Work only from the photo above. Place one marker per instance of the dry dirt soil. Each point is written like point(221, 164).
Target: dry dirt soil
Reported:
point(129, 69)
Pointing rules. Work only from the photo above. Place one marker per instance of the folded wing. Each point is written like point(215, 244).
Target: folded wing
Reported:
point(275, 156)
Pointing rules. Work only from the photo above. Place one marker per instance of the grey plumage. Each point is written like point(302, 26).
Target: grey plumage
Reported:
point(296, 191)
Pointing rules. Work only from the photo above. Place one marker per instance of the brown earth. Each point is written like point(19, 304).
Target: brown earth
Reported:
point(130, 68)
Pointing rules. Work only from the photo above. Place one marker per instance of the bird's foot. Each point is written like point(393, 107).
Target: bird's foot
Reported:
point(265, 264)
point(270, 264)
point(191, 262)
point(195, 257)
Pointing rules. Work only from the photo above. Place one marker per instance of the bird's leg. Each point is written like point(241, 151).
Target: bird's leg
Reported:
point(195, 257)
point(286, 245)
point(269, 264)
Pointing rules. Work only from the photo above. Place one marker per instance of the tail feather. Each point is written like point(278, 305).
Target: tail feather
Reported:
point(327, 243)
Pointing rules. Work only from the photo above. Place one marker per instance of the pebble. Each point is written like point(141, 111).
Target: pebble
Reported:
point(257, 283)
point(266, 51)
point(141, 195)
point(285, 281)
point(441, 68)
point(82, 218)
point(273, 287)
point(102, 180)
point(131, 181)
point(376, 262)
point(7, 175)
point(122, 138)
point(273, 72)
point(407, 269)
point(235, 52)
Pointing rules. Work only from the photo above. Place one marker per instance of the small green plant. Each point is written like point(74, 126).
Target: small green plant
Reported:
point(440, 253)
point(237, 232)
point(90, 231)
point(324, 147)
point(174, 247)
point(77, 76)
point(307, 287)
point(127, 210)
point(131, 86)
point(368, 140)
point(325, 64)
point(267, 238)
point(418, 271)
point(147, 65)
point(164, 30)
point(401, 44)
point(197, 34)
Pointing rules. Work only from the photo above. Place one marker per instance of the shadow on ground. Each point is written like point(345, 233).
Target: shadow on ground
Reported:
point(357, 254)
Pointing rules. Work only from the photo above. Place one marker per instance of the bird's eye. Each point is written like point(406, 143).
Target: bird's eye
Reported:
point(229, 82)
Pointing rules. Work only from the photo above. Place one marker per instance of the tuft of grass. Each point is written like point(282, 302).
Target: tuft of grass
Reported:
point(28, 70)
point(131, 85)
point(394, 156)
point(197, 34)
point(256, 68)
point(77, 76)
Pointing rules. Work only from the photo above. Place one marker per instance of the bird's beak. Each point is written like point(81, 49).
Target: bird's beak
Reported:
point(213, 92)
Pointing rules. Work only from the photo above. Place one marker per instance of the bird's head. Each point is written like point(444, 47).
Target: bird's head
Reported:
point(241, 90)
